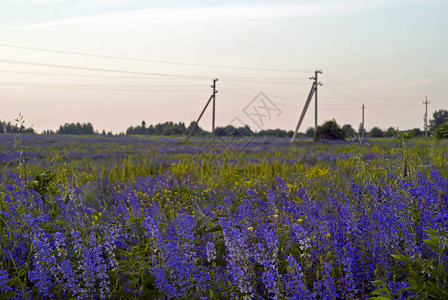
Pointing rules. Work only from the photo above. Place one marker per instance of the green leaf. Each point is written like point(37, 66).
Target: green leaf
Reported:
point(380, 291)
point(386, 296)
point(214, 229)
point(379, 283)
point(431, 241)
point(402, 258)
point(439, 270)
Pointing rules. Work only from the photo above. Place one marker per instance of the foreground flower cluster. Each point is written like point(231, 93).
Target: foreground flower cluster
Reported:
point(273, 244)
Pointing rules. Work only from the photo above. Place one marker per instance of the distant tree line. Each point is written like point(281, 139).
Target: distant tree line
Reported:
point(76, 129)
point(438, 127)
point(170, 128)
point(14, 128)
point(231, 130)
point(167, 128)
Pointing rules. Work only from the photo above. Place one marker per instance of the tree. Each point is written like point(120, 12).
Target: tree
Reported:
point(197, 130)
point(274, 132)
point(309, 132)
point(442, 131)
point(439, 117)
point(417, 132)
point(72, 128)
point(2, 130)
point(390, 132)
point(349, 131)
point(330, 130)
point(375, 132)
point(167, 131)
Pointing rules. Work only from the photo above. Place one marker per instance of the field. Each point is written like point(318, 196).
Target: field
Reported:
point(155, 218)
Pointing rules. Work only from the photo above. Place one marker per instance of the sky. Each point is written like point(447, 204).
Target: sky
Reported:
point(156, 60)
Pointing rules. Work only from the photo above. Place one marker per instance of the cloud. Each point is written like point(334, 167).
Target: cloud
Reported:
point(228, 12)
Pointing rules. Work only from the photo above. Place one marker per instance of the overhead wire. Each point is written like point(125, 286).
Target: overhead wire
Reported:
point(289, 100)
point(361, 92)
point(30, 63)
point(152, 60)
point(249, 79)
point(355, 97)
point(228, 79)
point(105, 88)
point(102, 85)
point(260, 80)
point(383, 107)
point(72, 75)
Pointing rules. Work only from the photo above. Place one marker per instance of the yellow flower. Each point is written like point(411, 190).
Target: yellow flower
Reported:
point(328, 235)
point(276, 216)
point(250, 228)
point(299, 220)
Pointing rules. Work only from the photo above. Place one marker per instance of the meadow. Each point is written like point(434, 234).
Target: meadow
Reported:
point(93, 217)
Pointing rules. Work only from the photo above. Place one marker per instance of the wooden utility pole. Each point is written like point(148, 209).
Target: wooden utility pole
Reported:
point(212, 97)
point(425, 119)
point(313, 91)
point(214, 100)
point(316, 83)
point(307, 103)
point(363, 130)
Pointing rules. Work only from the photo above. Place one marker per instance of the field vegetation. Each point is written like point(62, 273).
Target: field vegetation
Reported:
point(150, 217)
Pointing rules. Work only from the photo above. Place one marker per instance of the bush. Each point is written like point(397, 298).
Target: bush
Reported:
point(442, 131)
point(376, 132)
point(330, 131)
point(391, 132)
point(349, 131)
point(309, 132)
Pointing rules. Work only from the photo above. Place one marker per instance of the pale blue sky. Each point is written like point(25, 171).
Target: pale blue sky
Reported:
point(388, 55)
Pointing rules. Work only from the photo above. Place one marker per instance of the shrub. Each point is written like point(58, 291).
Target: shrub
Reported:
point(442, 131)
point(330, 130)
point(376, 132)
point(349, 131)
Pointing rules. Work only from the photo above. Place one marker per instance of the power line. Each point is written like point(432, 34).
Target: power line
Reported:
point(361, 92)
point(151, 60)
point(223, 89)
point(30, 63)
point(261, 80)
point(95, 88)
point(385, 109)
point(248, 79)
point(239, 85)
point(71, 75)
point(100, 85)
point(358, 98)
